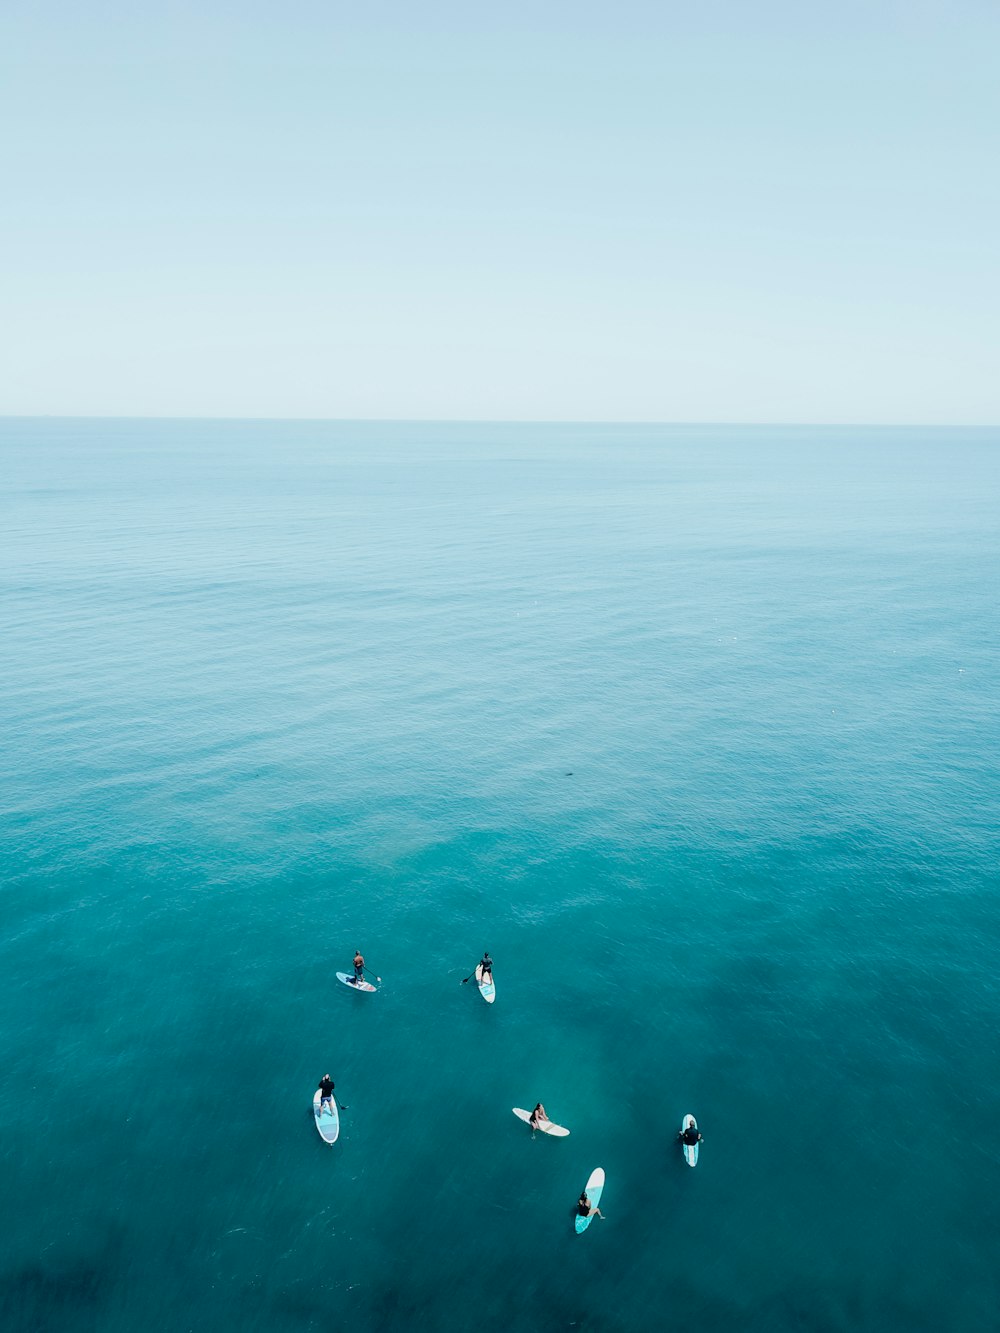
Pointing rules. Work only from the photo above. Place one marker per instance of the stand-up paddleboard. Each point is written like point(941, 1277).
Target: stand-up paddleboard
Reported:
point(690, 1149)
point(546, 1126)
point(594, 1188)
point(327, 1120)
point(355, 985)
point(489, 991)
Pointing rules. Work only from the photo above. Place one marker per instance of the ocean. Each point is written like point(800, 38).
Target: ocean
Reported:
point(695, 729)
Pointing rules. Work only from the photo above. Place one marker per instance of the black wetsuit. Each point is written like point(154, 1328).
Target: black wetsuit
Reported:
point(690, 1136)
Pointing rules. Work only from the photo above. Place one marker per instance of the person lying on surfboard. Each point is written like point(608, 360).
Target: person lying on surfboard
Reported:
point(538, 1116)
point(325, 1093)
point(486, 976)
point(586, 1209)
point(690, 1136)
point(359, 966)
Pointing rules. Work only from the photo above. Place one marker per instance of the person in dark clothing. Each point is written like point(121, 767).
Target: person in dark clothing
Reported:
point(538, 1116)
point(326, 1086)
point(690, 1136)
point(585, 1208)
point(486, 976)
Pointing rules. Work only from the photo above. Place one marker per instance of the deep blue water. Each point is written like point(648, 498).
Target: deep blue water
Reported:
point(696, 729)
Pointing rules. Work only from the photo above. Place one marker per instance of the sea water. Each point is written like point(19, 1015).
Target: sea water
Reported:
point(697, 730)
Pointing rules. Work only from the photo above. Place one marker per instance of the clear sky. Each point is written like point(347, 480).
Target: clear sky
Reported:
point(715, 210)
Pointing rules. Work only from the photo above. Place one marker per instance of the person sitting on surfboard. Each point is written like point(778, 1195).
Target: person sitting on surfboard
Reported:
point(486, 976)
point(690, 1136)
point(359, 967)
point(537, 1116)
point(325, 1093)
point(585, 1208)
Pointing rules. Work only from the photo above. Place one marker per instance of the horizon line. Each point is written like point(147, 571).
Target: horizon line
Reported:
point(502, 421)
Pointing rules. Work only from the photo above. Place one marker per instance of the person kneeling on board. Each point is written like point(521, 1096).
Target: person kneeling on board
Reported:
point(585, 1208)
point(326, 1086)
point(538, 1116)
point(690, 1136)
point(359, 967)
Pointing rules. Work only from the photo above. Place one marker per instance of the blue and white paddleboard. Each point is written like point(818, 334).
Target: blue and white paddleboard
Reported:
point(489, 991)
point(690, 1149)
point(594, 1188)
point(355, 985)
point(546, 1126)
point(327, 1120)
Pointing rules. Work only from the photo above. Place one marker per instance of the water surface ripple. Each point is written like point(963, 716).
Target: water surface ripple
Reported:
point(696, 729)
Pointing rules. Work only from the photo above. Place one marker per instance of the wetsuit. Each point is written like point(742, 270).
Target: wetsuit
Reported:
point(690, 1136)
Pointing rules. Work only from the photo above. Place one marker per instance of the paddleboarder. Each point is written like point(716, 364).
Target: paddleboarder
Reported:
point(326, 1086)
point(359, 967)
point(586, 1209)
point(537, 1116)
point(486, 976)
point(689, 1136)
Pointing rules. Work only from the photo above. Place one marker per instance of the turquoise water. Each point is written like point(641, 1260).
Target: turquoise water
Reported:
point(696, 729)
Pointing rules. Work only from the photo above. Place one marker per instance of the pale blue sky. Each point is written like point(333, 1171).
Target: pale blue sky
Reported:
point(710, 211)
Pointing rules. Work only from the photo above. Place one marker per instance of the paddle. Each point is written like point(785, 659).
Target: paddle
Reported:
point(366, 969)
point(469, 977)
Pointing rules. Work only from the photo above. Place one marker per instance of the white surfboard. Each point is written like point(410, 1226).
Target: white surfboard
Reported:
point(690, 1149)
point(327, 1120)
point(594, 1188)
point(546, 1126)
point(355, 985)
point(487, 991)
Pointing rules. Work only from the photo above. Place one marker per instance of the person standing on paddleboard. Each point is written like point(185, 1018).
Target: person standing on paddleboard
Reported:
point(486, 976)
point(359, 967)
point(326, 1086)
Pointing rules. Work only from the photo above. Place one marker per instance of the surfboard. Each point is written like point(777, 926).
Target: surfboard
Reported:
point(690, 1149)
point(349, 981)
point(327, 1121)
point(489, 991)
point(546, 1126)
point(594, 1188)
